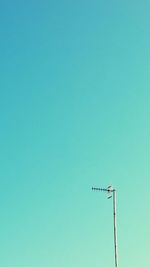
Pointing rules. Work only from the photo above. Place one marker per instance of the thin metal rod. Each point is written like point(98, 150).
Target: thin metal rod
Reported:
point(113, 191)
point(115, 229)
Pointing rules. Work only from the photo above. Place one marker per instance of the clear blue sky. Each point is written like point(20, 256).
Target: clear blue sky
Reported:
point(74, 113)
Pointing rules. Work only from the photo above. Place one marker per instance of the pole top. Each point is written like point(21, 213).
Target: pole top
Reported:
point(109, 190)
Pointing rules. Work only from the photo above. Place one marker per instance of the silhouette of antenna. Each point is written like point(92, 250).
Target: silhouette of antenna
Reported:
point(111, 192)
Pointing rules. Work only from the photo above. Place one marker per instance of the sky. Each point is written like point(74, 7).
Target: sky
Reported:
point(74, 113)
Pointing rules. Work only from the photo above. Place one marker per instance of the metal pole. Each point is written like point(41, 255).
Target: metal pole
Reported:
point(110, 191)
point(115, 228)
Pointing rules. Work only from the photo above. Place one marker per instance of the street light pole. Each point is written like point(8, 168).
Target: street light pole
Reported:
point(112, 193)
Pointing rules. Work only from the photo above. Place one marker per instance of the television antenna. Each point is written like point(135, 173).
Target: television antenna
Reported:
point(111, 192)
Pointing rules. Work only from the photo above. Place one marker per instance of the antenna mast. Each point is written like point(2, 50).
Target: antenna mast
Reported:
point(112, 192)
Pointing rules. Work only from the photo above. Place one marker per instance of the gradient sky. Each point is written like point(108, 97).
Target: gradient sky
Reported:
point(74, 113)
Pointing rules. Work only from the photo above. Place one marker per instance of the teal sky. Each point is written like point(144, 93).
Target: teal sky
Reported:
point(74, 113)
